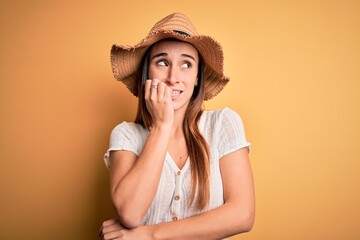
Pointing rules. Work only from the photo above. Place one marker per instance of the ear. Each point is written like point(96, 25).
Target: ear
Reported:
point(196, 82)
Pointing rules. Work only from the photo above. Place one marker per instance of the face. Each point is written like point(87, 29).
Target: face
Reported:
point(176, 64)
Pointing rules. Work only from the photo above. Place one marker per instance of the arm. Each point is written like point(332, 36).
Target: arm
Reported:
point(134, 180)
point(235, 216)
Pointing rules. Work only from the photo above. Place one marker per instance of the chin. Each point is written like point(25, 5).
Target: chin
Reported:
point(178, 106)
point(175, 107)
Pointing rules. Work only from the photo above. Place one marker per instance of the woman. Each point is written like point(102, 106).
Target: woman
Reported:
point(178, 172)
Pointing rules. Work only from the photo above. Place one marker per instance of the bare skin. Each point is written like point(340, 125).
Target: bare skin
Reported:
point(173, 71)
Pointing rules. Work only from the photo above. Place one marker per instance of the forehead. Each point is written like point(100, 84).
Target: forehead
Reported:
point(175, 47)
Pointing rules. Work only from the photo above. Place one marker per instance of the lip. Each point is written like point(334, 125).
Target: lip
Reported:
point(175, 96)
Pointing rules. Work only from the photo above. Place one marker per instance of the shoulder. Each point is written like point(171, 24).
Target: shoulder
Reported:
point(126, 136)
point(220, 115)
point(230, 132)
point(128, 126)
point(128, 129)
point(214, 122)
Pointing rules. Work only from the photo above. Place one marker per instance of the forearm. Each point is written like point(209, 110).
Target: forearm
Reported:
point(224, 221)
point(235, 216)
point(133, 195)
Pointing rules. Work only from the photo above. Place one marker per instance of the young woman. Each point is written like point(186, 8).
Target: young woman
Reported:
point(177, 172)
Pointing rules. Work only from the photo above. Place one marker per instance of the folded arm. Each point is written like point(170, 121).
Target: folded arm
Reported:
point(235, 216)
point(134, 180)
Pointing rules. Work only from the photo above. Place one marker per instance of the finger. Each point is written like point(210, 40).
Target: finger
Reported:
point(110, 231)
point(153, 89)
point(112, 228)
point(161, 91)
point(109, 222)
point(113, 231)
point(106, 224)
point(112, 235)
point(147, 88)
point(167, 94)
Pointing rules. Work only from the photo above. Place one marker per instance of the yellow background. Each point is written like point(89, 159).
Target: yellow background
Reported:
point(295, 80)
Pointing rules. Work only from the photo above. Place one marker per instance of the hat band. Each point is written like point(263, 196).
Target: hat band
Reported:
point(182, 33)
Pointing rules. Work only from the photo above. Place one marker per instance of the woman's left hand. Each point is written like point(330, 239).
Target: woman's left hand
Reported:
point(112, 229)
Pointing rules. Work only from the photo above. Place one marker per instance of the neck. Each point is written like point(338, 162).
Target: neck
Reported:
point(177, 129)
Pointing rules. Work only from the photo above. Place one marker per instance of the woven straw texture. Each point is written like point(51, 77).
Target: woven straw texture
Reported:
point(125, 60)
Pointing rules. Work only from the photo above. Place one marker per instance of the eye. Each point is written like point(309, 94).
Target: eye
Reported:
point(186, 65)
point(162, 63)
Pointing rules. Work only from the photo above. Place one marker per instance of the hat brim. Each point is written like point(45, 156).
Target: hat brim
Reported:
point(126, 60)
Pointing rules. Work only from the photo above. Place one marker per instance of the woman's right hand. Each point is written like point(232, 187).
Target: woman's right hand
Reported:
point(159, 103)
point(112, 229)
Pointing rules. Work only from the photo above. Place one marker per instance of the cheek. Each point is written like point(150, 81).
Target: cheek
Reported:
point(155, 73)
point(151, 72)
point(192, 77)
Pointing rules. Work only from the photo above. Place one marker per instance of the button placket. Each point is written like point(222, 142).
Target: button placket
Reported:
point(176, 204)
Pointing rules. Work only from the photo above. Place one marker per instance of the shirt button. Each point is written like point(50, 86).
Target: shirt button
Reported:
point(178, 173)
point(174, 218)
point(177, 197)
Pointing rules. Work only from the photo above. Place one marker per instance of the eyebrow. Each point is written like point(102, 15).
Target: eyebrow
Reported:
point(165, 54)
point(159, 55)
point(187, 55)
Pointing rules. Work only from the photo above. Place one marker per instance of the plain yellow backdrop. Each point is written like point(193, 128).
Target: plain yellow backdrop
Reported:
point(295, 80)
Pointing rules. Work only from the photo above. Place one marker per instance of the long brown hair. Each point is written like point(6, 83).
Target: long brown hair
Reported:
point(196, 144)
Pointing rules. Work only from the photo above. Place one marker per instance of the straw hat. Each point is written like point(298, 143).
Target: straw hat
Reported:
point(125, 60)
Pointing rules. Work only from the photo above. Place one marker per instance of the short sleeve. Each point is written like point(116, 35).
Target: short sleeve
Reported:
point(125, 136)
point(231, 135)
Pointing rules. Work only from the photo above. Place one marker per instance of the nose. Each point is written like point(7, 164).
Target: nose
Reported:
point(172, 76)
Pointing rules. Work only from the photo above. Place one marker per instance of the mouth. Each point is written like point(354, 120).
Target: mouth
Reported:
point(175, 93)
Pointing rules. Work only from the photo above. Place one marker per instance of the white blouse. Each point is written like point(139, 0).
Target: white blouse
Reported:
point(224, 132)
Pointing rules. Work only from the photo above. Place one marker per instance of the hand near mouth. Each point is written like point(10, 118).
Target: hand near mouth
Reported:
point(158, 99)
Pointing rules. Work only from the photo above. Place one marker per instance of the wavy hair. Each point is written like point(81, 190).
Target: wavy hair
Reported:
point(196, 144)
